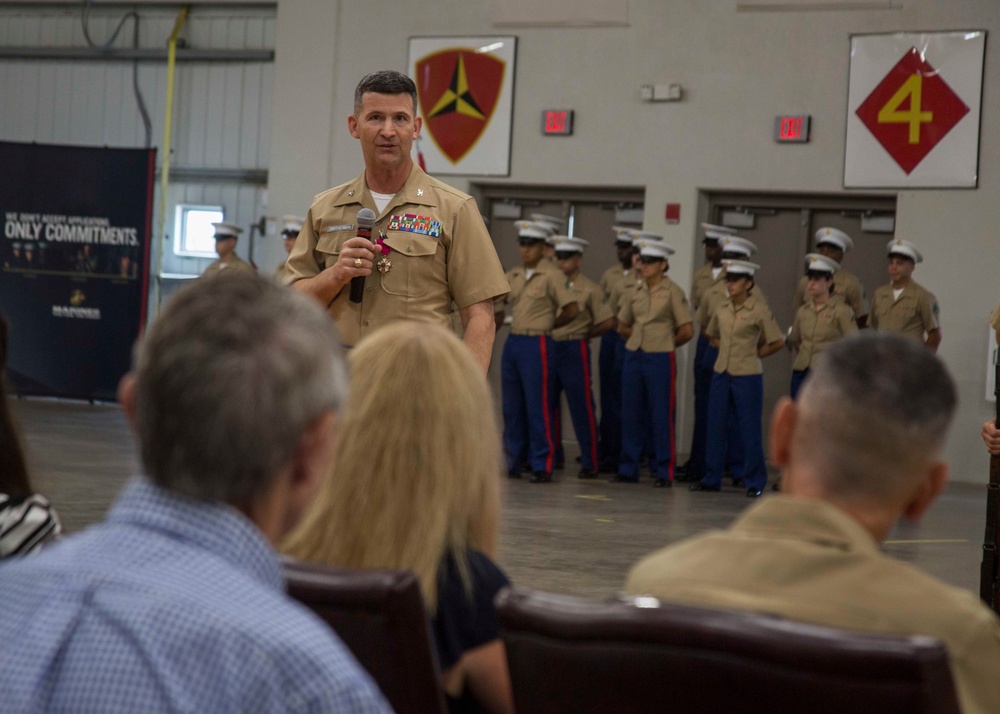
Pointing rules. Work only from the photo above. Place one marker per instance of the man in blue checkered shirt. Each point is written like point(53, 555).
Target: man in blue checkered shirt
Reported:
point(175, 603)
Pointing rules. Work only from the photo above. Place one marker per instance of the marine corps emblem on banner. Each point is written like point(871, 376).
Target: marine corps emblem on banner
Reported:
point(458, 90)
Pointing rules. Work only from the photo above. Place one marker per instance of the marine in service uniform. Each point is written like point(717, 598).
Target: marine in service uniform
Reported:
point(225, 246)
point(538, 303)
point(745, 332)
point(571, 350)
point(733, 248)
point(833, 244)
point(429, 245)
point(655, 319)
point(707, 276)
point(905, 306)
point(613, 351)
point(293, 225)
point(821, 321)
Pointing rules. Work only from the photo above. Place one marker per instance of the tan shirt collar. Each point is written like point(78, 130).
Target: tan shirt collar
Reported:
point(807, 519)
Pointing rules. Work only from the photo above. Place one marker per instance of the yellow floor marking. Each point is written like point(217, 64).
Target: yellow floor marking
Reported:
point(593, 497)
point(605, 520)
point(953, 540)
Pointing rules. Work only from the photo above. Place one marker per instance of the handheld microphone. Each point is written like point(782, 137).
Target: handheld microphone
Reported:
point(366, 221)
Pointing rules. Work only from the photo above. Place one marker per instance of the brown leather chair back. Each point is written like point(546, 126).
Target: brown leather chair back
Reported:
point(380, 616)
point(568, 654)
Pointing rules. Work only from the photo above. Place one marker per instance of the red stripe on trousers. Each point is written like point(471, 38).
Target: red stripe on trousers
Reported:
point(545, 403)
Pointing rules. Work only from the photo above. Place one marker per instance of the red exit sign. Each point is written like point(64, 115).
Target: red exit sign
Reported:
point(557, 121)
point(792, 129)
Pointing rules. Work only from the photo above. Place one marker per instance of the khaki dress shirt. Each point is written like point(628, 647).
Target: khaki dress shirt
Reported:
point(846, 285)
point(809, 561)
point(654, 314)
point(535, 301)
point(613, 282)
point(703, 280)
point(593, 310)
point(814, 330)
point(231, 262)
point(739, 331)
point(717, 294)
point(440, 252)
point(914, 313)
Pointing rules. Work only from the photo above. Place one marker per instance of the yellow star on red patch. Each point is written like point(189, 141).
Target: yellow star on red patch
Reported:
point(458, 98)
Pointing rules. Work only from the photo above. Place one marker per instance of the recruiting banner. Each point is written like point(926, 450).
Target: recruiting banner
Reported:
point(74, 264)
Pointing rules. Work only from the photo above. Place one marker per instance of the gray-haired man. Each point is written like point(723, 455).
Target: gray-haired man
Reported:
point(176, 602)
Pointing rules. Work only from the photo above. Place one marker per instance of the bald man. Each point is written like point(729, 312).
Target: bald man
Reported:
point(860, 449)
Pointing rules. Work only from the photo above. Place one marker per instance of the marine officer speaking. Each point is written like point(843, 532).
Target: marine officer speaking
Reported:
point(430, 247)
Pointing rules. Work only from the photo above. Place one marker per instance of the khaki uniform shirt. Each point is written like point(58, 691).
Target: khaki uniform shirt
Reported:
point(703, 280)
point(809, 561)
point(535, 301)
point(995, 318)
point(593, 310)
point(613, 281)
point(846, 285)
point(440, 251)
point(654, 314)
point(914, 313)
point(739, 330)
point(717, 294)
point(230, 262)
point(279, 273)
point(815, 330)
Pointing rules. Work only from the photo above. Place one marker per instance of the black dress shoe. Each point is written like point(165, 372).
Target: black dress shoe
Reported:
point(587, 474)
point(686, 477)
point(754, 492)
point(776, 486)
point(682, 469)
point(703, 487)
point(738, 483)
point(662, 483)
point(540, 477)
point(618, 478)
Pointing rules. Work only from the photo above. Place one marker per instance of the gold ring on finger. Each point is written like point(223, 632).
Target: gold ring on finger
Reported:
point(358, 263)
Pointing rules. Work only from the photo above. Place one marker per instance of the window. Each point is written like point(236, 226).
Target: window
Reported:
point(194, 235)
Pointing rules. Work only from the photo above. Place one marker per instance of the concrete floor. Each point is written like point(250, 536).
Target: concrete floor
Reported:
point(571, 536)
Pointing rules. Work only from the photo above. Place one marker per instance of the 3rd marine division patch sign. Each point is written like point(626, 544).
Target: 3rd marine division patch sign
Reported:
point(463, 93)
point(914, 110)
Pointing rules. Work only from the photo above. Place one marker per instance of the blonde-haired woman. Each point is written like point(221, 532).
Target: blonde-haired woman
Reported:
point(415, 485)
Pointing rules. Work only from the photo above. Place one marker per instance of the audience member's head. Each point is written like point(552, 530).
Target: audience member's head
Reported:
point(13, 470)
point(416, 474)
point(236, 383)
point(869, 426)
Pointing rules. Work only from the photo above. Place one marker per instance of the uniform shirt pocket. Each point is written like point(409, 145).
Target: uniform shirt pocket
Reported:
point(413, 257)
point(328, 247)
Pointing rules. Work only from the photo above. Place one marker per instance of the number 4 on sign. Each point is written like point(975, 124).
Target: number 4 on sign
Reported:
point(891, 113)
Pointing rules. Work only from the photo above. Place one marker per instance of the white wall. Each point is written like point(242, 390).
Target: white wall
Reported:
point(739, 70)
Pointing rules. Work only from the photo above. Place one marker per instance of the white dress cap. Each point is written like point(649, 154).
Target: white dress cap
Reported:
point(724, 230)
point(715, 235)
point(654, 248)
point(834, 236)
point(821, 264)
point(226, 230)
point(553, 222)
point(565, 244)
point(532, 229)
point(623, 234)
point(293, 224)
point(904, 248)
point(735, 244)
point(740, 267)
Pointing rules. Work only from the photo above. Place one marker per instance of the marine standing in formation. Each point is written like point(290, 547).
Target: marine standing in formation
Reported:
point(225, 246)
point(904, 305)
point(654, 319)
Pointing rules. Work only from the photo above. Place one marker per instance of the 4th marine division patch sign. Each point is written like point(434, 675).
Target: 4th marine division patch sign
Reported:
point(458, 90)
